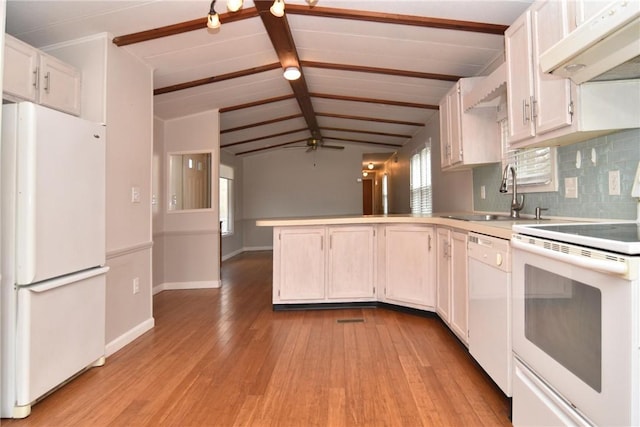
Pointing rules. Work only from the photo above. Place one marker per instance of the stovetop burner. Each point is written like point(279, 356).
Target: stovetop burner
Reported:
point(622, 237)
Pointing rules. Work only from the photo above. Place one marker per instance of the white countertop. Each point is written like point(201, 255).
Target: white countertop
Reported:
point(500, 228)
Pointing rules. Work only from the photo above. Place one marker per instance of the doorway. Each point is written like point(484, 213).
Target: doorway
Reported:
point(367, 197)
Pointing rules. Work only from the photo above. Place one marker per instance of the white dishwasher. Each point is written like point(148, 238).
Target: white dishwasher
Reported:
point(490, 307)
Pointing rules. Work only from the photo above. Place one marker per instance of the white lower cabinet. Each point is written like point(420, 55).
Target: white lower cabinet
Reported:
point(299, 264)
point(452, 281)
point(409, 266)
point(323, 264)
point(351, 263)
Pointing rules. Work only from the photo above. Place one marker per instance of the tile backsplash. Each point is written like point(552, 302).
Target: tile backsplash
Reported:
point(616, 152)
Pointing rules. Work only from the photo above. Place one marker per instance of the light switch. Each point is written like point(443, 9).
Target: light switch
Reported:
point(135, 194)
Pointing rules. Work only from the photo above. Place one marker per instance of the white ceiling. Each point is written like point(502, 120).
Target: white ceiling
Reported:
point(245, 44)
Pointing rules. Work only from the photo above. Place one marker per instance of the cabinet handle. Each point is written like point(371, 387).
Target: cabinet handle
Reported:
point(525, 112)
point(321, 243)
point(36, 77)
point(47, 81)
point(534, 114)
point(429, 243)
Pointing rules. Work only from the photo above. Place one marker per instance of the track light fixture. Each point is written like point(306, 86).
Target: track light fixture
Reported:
point(312, 3)
point(277, 8)
point(292, 73)
point(213, 19)
point(234, 5)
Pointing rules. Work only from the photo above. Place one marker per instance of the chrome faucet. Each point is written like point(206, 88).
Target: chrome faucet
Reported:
point(516, 206)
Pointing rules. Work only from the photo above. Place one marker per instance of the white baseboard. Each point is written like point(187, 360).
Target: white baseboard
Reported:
point(129, 336)
point(170, 286)
point(232, 254)
point(258, 248)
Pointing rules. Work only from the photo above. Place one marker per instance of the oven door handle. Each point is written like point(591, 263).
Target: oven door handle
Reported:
point(609, 267)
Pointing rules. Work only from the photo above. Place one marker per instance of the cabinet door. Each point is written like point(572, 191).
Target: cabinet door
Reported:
point(518, 45)
point(443, 275)
point(20, 69)
point(409, 265)
point(351, 262)
point(300, 264)
point(552, 101)
point(59, 85)
point(459, 286)
point(445, 135)
point(455, 125)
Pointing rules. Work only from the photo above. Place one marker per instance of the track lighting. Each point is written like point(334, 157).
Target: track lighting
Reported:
point(312, 3)
point(234, 5)
point(277, 9)
point(292, 73)
point(213, 20)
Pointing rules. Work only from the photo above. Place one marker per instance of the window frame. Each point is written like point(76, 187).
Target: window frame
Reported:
point(226, 175)
point(421, 195)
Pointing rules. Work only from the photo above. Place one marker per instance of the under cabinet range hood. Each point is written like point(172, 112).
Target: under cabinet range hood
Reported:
point(605, 47)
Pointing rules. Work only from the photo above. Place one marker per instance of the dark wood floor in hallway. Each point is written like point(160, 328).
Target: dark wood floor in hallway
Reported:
point(222, 357)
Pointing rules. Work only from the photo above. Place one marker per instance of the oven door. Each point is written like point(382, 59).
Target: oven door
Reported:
point(576, 328)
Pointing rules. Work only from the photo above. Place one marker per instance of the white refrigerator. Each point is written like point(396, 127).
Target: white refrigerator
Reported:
point(53, 252)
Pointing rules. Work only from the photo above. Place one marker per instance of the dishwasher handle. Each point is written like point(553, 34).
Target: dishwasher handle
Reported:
point(604, 266)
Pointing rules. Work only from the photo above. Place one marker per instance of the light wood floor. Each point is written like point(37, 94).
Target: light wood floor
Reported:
point(222, 357)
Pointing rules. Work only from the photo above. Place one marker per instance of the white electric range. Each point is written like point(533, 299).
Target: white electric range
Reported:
point(576, 324)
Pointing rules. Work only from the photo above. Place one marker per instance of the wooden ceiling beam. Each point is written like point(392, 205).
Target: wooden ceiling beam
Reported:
point(246, 141)
point(266, 122)
point(394, 135)
point(183, 27)
point(376, 70)
point(282, 40)
point(269, 147)
point(394, 18)
point(215, 79)
point(359, 141)
point(375, 101)
point(256, 103)
point(369, 119)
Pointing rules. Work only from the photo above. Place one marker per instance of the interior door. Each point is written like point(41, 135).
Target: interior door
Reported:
point(367, 197)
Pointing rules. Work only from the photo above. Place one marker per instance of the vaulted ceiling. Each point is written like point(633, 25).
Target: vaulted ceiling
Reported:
point(373, 71)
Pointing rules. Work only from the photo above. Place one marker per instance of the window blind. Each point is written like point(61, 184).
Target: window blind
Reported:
point(421, 181)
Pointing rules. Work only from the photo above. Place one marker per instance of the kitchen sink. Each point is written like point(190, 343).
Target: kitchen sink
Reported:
point(480, 217)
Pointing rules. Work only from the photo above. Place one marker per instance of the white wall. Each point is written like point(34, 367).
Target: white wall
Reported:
point(187, 243)
point(452, 191)
point(294, 183)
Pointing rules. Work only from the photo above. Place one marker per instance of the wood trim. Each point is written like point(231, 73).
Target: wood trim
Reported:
point(369, 119)
point(374, 101)
point(182, 27)
point(246, 141)
point(359, 141)
point(266, 122)
point(394, 18)
point(282, 40)
point(376, 70)
point(256, 103)
point(255, 150)
point(395, 135)
point(215, 79)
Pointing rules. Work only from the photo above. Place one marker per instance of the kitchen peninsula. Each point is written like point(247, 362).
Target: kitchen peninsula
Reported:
point(393, 259)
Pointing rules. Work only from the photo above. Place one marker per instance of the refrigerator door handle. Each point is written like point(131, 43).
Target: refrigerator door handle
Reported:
point(67, 280)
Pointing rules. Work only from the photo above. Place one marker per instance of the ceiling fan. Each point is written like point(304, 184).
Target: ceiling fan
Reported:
point(314, 143)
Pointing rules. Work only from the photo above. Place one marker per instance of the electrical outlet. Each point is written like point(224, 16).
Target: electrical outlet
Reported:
point(136, 285)
point(614, 183)
point(135, 194)
point(571, 188)
point(483, 192)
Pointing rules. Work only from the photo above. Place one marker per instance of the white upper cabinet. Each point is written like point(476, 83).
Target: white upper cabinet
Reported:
point(537, 102)
point(32, 75)
point(467, 138)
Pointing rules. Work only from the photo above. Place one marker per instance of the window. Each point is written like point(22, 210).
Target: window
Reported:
point(226, 199)
point(421, 181)
point(535, 167)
